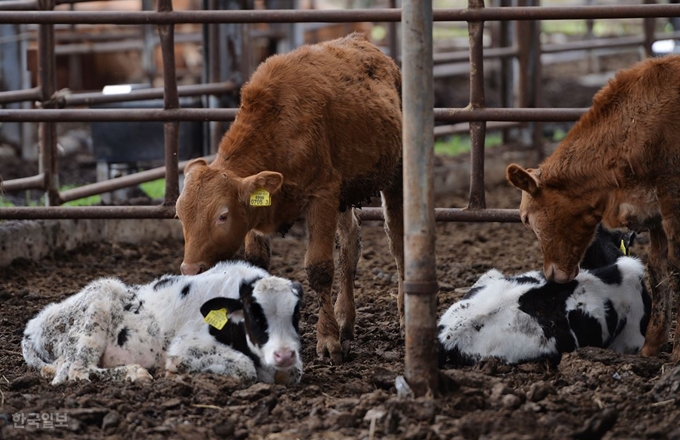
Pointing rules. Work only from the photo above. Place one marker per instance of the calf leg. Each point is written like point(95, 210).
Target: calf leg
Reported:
point(349, 243)
point(322, 220)
point(669, 202)
point(393, 208)
point(201, 353)
point(258, 250)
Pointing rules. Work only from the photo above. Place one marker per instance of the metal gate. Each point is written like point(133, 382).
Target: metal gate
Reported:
point(419, 116)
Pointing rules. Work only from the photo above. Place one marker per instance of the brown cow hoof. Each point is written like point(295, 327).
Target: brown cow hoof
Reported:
point(331, 349)
point(648, 351)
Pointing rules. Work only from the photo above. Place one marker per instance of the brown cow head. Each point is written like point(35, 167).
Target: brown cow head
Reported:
point(214, 212)
point(565, 225)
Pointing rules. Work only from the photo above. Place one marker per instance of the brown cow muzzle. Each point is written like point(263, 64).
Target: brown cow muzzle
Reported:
point(553, 273)
point(193, 268)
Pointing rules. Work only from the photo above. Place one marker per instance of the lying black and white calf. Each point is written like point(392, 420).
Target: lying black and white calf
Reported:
point(525, 318)
point(112, 331)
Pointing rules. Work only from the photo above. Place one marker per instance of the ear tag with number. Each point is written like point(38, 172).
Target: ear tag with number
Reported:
point(217, 318)
point(260, 197)
point(623, 248)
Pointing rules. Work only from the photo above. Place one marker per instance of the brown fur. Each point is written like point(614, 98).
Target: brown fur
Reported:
point(620, 164)
point(320, 129)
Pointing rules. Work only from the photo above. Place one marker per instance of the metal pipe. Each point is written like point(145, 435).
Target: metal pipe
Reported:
point(170, 102)
point(120, 182)
point(24, 183)
point(337, 16)
point(87, 212)
point(228, 114)
point(464, 128)
point(117, 46)
point(464, 56)
point(477, 199)
point(33, 94)
point(143, 94)
point(420, 278)
point(47, 131)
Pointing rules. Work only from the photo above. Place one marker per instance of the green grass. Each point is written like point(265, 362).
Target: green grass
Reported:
point(458, 144)
point(154, 189)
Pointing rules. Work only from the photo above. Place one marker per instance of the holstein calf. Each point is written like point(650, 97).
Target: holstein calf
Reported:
point(526, 318)
point(318, 132)
point(620, 164)
point(112, 331)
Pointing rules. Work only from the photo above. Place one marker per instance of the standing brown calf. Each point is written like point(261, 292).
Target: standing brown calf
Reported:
point(319, 129)
point(620, 164)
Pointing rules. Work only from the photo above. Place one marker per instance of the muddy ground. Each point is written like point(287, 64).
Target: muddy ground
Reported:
point(592, 393)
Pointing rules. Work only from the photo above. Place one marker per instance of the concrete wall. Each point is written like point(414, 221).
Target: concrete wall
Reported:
point(35, 239)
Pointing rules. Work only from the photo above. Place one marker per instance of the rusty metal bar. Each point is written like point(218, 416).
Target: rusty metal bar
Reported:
point(47, 131)
point(24, 183)
point(648, 26)
point(135, 212)
point(393, 38)
point(445, 130)
point(228, 114)
point(87, 212)
point(477, 198)
point(455, 215)
point(33, 94)
point(338, 16)
point(116, 46)
point(120, 182)
point(143, 94)
point(166, 33)
point(464, 56)
point(420, 278)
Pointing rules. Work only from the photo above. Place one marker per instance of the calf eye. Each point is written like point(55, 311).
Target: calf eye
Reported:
point(222, 217)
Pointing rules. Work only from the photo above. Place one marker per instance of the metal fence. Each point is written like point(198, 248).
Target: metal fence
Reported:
point(419, 116)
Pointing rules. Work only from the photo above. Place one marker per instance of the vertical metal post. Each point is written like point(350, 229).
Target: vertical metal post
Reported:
point(170, 101)
point(420, 285)
point(530, 89)
point(649, 24)
point(148, 59)
point(392, 35)
point(47, 131)
point(477, 101)
point(506, 79)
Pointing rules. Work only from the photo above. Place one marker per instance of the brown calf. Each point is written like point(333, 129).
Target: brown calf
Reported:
point(319, 129)
point(620, 164)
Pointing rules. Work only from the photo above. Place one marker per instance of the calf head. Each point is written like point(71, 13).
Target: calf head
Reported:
point(607, 247)
point(564, 224)
point(214, 212)
point(263, 323)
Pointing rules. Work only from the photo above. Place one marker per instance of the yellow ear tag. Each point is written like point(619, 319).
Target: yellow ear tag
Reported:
point(260, 197)
point(217, 318)
point(623, 248)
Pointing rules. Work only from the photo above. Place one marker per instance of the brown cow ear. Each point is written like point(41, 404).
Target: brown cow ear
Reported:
point(268, 180)
point(523, 179)
point(194, 163)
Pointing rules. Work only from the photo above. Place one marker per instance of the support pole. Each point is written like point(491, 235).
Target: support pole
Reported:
point(420, 285)
point(47, 131)
point(170, 101)
point(477, 199)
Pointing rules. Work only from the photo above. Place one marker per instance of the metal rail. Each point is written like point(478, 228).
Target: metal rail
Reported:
point(338, 16)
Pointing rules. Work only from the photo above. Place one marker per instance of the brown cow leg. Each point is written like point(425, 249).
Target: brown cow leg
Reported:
point(322, 222)
point(258, 250)
point(393, 207)
point(349, 244)
point(661, 285)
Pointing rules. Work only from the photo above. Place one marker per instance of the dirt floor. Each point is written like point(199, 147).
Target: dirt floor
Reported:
point(593, 393)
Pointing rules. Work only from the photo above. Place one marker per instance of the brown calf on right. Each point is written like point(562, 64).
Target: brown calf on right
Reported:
point(319, 130)
point(620, 164)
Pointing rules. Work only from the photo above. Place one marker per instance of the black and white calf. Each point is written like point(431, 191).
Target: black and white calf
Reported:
point(526, 318)
point(112, 331)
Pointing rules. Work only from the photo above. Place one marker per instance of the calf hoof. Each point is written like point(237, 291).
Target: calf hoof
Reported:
point(137, 373)
point(48, 371)
point(331, 348)
point(649, 351)
point(346, 339)
point(77, 375)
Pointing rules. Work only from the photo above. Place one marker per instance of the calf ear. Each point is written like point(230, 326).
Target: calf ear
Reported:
point(268, 180)
point(233, 307)
point(200, 162)
point(297, 288)
point(523, 179)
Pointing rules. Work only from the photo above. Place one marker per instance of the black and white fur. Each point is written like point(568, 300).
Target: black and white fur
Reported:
point(112, 331)
point(525, 318)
